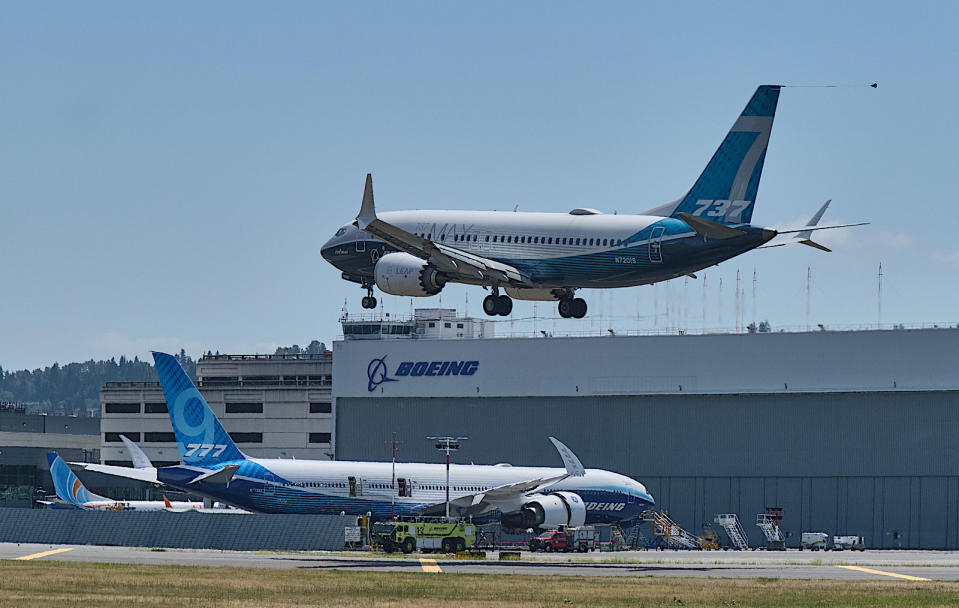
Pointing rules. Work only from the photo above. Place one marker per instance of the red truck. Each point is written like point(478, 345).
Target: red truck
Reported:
point(580, 539)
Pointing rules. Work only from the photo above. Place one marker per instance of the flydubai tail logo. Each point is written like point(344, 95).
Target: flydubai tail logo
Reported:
point(377, 371)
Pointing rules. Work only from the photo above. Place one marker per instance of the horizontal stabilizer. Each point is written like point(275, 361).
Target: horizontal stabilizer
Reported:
point(709, 229)
point(808, 229)
point(149, 475)
point(220, 476)
point(815, 245)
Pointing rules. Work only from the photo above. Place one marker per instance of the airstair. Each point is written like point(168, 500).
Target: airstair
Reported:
point(768, 522)
point(734, 530)
point(672, 533)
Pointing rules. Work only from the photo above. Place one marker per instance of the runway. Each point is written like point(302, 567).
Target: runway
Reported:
point(869, 565)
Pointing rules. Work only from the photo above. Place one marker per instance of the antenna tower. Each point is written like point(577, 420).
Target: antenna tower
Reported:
point(879, 300)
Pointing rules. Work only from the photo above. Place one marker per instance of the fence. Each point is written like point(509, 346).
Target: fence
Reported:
point(191, 530)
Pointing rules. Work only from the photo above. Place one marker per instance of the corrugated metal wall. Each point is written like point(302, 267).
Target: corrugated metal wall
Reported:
point(870, 463)
point(234, 532)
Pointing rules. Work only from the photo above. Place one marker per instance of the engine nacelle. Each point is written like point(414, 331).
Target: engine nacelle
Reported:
point(402, 274)
point(548, 511)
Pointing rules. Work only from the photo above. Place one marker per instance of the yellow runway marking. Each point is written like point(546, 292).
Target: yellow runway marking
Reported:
point(44, 553)
point(430, 565)
point(892, 574)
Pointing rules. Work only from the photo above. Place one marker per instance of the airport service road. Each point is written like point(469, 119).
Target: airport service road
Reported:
point(869, 565)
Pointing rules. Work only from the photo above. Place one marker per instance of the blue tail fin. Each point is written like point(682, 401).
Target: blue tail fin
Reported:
point(201, 438)
point(726, 190)
point(67, 484)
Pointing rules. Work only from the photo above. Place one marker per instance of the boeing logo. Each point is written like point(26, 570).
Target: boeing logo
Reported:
point(377, 372)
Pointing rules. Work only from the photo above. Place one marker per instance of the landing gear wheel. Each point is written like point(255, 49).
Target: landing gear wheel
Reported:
point(578, 308)
point(489, 305)
point(566, 308)
point(504, 306)
point(369, 302)
point(409, 545)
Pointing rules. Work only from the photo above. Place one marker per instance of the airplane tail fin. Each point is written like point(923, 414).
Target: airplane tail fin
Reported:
point(68, 486)
point(201, 438)
point(726, 190)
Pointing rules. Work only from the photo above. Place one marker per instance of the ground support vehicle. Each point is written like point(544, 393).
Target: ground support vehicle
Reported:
point(814, 541)
point(426, 534)
point(581, 538)
point(853, 543)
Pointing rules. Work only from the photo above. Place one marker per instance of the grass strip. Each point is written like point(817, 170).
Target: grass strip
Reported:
point(50, 583)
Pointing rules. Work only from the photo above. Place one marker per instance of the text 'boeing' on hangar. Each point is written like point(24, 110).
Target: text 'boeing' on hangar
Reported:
point(849, 432)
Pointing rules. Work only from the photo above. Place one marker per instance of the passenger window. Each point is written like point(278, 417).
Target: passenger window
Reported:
point(509, 239)
point(590, 241)
point(494, 238)
point(604, 242)
point(549, 241)
point(487, 238)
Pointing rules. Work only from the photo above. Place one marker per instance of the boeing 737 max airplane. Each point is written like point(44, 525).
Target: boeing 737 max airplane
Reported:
point(548, 256)
point(521, 497)
point(71, 491)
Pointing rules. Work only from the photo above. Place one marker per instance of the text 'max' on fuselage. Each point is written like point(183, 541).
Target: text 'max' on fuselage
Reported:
point(548, 256)
point(520, 497)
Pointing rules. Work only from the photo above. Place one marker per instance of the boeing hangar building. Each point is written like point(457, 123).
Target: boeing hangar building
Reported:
point(847, 432)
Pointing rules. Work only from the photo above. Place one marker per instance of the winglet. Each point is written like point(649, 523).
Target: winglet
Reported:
point(166, 503)
point(367, 209)
point(574, 468)
point(140, 460)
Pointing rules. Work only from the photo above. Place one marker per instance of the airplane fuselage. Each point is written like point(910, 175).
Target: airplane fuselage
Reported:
point(556, 250)
point(334, 487)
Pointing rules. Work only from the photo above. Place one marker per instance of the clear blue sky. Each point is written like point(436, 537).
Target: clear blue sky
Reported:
point(169, 171)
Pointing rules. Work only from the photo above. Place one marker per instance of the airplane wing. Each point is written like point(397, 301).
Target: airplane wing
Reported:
point(509, 496)
point(140, 460)
point(450, 260)
point(149, 475)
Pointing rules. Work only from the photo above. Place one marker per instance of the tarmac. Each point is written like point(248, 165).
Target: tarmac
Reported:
point(867, 565)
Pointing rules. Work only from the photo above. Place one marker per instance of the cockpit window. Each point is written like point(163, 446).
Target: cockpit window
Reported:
point(341, 231)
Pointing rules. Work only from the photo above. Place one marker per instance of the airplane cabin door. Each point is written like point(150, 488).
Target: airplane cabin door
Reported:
point(656, 244)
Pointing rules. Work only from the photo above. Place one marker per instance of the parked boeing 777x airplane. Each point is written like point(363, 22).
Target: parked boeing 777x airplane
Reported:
point(548, 256)
point(520, 497)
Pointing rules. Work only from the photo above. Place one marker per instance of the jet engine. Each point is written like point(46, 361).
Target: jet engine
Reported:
point(402, 274)
point(548, 511)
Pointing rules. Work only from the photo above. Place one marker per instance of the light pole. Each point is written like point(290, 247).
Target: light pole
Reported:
point(393, 481)
point(447, 444)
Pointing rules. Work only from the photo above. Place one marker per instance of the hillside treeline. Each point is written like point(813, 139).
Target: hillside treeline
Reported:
point(74, 388)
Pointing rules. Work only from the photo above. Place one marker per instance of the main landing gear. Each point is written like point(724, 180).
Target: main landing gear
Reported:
point(496, 304)
point(369, 301)
point(572, 307)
